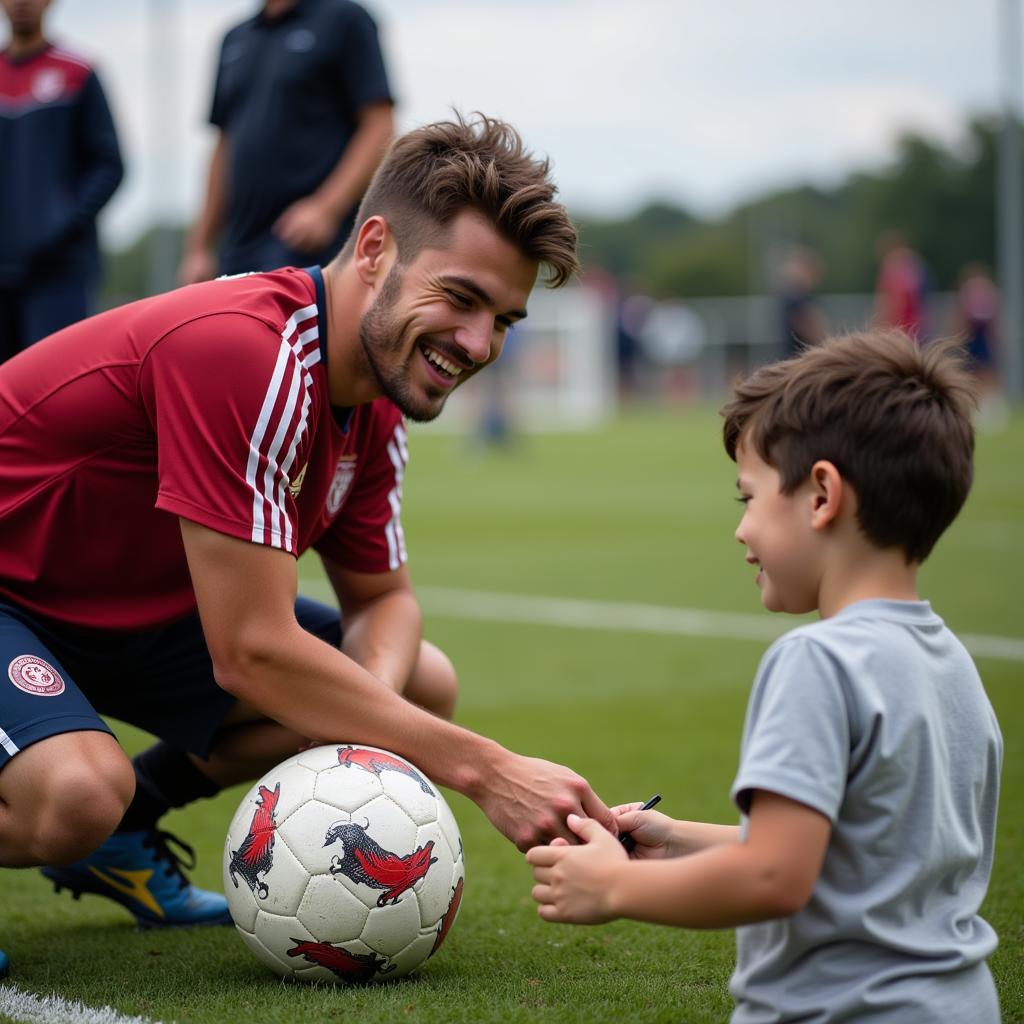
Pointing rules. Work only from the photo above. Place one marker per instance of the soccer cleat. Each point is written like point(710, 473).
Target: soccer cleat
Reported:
point(5, 965)
point(140, 871)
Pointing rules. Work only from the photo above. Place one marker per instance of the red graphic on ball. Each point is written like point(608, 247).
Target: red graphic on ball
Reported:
point(347, 966)
point(376, 761)
point(256, 854)
point(445, 925)
point(364, 860)
point(35, 676)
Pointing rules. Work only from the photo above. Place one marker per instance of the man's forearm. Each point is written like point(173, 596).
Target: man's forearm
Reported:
point(315, 690)
point(384, 637)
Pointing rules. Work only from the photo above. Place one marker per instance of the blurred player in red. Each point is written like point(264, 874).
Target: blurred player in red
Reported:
point(164, 465)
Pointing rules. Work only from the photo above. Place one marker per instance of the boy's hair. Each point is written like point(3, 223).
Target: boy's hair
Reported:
point(892, 416)
point(433, 173)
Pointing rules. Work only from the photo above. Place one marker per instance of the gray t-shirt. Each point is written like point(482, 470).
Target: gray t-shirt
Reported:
point(878, 719)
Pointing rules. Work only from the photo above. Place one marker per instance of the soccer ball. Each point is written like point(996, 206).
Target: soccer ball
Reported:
point(344, 863)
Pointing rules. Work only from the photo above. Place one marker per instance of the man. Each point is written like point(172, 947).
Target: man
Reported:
point(165, 464)
point(304, 114)
point(59, 164)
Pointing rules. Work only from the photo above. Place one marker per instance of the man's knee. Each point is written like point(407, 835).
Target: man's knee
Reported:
point(434, 684)
point(73, 806)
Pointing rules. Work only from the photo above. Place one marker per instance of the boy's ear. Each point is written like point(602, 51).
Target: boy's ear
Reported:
point(375, 247)
point(826, 493)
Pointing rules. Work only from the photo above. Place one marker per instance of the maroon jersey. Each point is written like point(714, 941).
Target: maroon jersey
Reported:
point(208, 403)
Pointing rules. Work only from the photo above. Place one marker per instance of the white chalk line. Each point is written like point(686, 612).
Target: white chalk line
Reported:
point(572, 613)
point(29, 1008)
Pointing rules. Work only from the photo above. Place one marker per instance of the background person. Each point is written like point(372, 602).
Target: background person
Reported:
point(59, 164)
point(226, 428)
point(869, 769)
point(304, 112)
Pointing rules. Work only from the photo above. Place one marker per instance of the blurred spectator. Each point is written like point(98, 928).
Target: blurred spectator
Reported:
point(803, 322)
point(304, 113)
point(976, 318)
point(59, 164)
point(901, 289)
point(631, 315)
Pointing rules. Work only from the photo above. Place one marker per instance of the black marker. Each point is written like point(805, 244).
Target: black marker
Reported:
point(628, 842)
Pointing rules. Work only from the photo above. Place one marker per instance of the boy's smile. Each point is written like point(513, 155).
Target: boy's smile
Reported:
point(778, 535)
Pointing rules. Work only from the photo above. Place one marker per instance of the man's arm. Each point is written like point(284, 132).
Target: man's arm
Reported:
point(246, 596)
point(198, 262)
point(310, 223)
point(769, 874)
point(382, 622)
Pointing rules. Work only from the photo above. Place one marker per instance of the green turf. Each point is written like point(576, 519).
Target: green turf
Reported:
point(642, 511)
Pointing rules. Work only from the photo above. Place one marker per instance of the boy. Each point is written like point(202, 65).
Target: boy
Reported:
point(868, 778)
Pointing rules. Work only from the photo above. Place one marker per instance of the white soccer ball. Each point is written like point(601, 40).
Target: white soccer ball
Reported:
point(344, 863)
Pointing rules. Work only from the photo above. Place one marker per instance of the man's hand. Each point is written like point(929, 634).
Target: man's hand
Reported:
point(574, 883)
point(528, 800)
point(307, 225)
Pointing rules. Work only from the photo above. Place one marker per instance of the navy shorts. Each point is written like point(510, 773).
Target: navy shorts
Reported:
point(56, 678)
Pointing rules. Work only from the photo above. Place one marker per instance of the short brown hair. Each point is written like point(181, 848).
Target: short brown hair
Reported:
point(432, 173)
point(892, 416)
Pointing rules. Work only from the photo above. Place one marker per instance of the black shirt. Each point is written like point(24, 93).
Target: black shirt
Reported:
point(287, 96)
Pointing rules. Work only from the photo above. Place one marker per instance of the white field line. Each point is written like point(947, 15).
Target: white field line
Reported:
point(633, 618)
point(28, 1008)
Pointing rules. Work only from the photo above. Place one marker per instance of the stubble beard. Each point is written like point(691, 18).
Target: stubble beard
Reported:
point(382, 339)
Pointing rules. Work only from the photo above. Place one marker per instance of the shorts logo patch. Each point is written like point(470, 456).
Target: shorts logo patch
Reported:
point(35, 676)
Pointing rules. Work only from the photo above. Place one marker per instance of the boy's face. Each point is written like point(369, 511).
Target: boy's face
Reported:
point(776, 530)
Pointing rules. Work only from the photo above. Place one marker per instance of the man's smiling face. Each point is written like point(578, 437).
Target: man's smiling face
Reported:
point(443, 317)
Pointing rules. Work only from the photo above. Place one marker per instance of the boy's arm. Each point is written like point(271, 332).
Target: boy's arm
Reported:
point(769, 874)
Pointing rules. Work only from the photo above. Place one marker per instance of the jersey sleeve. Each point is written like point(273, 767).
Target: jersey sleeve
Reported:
point(796, 739)
point(230, 405)
point(367, 534)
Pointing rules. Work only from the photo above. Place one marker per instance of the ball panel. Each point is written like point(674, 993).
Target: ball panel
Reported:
point(329, 909)
point(387, 929)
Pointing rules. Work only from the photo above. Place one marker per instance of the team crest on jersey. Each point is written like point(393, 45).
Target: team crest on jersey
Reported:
point(344, 473)
point(47, 85)
point(35, 676)
point(296, 485)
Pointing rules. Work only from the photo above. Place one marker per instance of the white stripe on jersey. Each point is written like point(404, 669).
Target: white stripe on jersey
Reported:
point(8, 744)
point(398, 452)
point(290, 356)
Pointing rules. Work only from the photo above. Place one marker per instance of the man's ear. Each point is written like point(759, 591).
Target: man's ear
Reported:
point(827, 495)
point(374, 251)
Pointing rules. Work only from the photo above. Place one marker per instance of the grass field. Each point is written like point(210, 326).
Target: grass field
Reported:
point(640, 512)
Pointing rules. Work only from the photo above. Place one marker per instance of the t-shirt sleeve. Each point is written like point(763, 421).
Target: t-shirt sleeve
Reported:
point(230, 404)
point(360, 63)
point(796, 739)
point(367, 534)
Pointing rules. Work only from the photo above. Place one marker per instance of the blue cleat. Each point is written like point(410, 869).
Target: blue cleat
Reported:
point(141, 872)
point(5, 965)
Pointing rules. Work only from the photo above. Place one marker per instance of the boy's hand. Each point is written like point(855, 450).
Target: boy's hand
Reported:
point(651, 830)
point(574, 882)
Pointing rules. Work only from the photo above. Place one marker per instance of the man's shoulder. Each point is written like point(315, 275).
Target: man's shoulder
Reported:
point(339, 12)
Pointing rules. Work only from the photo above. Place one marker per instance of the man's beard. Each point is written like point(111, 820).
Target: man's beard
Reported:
point(382, 339)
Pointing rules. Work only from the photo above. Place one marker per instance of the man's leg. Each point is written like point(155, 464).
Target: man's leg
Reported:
point(61, 797)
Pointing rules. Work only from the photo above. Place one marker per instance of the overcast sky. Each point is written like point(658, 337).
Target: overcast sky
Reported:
point(703, 102)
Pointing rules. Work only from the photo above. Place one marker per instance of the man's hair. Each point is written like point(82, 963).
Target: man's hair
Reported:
point(892, 416)
point(433, 173)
